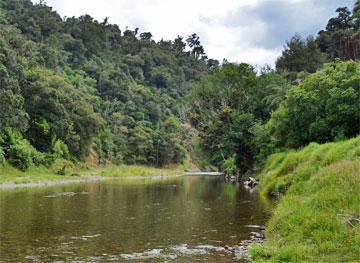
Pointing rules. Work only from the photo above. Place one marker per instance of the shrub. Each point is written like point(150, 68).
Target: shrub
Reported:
point(61, 150)
point(2, 156)
point(20, 153)
point(2, 153)
point(229, 166)
point(63, 167)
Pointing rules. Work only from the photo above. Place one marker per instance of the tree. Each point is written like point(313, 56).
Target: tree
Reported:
point(194, 43)
point(300, 55)
point(356, 15)
point(52, 100)
point(81, 84)
point(179, 45)
point(224, 106)
point(212, 64)
point(12, 114)
point(324, 107)
point(341, 22)
point(338, 40)
point(146, 36)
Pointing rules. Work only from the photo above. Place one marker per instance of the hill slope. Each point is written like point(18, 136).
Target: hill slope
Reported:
point(318, 219)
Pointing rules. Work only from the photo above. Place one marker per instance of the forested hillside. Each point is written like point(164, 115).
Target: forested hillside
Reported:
point(74, 86)
point(77, 88)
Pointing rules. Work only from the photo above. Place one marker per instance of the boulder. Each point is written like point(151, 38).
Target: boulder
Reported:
point(251, 182)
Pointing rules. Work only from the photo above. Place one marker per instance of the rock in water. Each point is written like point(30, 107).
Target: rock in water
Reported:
point(251, 182)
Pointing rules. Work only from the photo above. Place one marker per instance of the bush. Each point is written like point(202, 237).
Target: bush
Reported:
point(229, 166)
point(2, 156)
point(20, 153)
point(63, 167)
point(2, 153)
point(61, 150)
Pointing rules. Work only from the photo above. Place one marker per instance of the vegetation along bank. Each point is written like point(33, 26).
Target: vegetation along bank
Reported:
point(77, 94)
point(318, 216)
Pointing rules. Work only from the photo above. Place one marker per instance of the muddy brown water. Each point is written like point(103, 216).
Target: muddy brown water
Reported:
point(183, 219)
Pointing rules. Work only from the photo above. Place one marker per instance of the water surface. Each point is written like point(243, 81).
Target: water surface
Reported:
point(184, 219)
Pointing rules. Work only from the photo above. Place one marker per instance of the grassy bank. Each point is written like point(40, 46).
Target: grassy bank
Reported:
point(317, 217)
point(133, 170)
point(64, 170)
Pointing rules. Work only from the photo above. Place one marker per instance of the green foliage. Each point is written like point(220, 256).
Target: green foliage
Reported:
point(2, 153)
point(12, 114)
point(300, 55)
point(2, 157)
point(229, 166)
point(196, 48)
point(63, 109)
point(20, 155)
point(82, 84)
point(229, 107)
point(316, 220)
point(61, 150)
point(334, 40)
point(323, 107)
point(62, 167)
point(19, 152)
point(76, 87)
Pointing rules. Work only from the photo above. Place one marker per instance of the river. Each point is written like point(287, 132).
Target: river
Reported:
point(182, 219)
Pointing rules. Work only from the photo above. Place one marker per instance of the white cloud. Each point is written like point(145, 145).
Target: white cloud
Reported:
point(169, 18)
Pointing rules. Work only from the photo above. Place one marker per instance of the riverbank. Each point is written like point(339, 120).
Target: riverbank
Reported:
point(317, 218)
point(11, 177)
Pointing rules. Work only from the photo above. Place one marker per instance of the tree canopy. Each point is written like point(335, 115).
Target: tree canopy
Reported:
point(92, 86)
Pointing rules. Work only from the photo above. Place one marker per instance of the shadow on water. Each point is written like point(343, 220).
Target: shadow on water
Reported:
point(180, 219)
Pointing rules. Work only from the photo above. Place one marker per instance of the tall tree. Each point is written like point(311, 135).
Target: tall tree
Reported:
point(300, 55)
point(196, 48)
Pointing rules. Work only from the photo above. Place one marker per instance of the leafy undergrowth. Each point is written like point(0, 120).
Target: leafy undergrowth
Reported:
point(318, 220)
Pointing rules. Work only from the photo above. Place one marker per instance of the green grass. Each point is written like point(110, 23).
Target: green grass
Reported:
point(316, 219)
point(33, 174)
point(135, 170)
point(65, 170)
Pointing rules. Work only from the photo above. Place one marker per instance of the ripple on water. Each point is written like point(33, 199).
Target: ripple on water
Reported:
point(85, 237)
point(65, 194)
point(153, 253)
point(175, 252)
point(61, 194)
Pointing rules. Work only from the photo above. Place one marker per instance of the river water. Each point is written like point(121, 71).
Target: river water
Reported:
point(182, 219)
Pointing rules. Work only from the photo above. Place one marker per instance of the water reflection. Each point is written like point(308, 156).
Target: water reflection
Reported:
point(176, 219)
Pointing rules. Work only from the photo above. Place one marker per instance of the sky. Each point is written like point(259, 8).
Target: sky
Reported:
point(251, 31)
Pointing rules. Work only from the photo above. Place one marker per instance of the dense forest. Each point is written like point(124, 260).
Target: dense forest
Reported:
point(313, 96)
point(76, 87)
point(80, 89)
